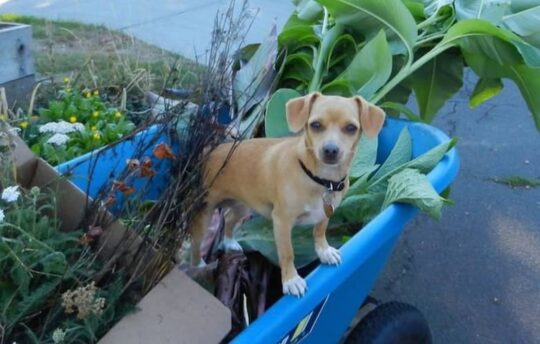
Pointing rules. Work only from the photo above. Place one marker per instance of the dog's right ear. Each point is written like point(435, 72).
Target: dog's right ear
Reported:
point(298, 110)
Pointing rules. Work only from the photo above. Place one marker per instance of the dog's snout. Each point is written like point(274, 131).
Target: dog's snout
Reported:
point(330, 153)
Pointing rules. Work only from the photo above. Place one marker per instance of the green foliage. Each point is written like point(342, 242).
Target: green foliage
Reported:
point(38, 263)
point(518, 181)
point(100, 124)
point(372, 188)
point(275, 121)
point(384, 50)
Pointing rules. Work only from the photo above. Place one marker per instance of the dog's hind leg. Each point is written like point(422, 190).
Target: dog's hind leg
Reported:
point(234, 214)
point(198, 229)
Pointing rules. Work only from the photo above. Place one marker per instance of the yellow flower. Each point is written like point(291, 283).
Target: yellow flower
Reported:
point(93, 128)
point(87, 94)
point(96, 136)
point(96, 93)
point(66, 80)
point(118, 114)
point(24, 124)
point(73, 119)
point(95, 114)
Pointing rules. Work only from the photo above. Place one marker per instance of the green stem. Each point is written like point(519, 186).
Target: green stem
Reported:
point(428, 22)
point(408, 70)
point(429, 38)
point(315, 83)
point(30, 237)
point(325, 22)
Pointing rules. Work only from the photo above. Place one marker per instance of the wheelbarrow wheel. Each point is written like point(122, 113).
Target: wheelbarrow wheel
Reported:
point(391, 323)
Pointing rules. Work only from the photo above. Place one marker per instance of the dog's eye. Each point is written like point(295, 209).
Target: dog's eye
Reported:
point(316, 125)
point(350, 129)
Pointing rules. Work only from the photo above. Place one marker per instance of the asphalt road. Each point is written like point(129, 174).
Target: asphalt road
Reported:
point(475, 274)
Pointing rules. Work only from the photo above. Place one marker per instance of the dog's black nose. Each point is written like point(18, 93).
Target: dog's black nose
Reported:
point(330, 152)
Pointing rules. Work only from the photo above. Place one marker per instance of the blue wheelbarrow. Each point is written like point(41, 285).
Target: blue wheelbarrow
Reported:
point(336, 294)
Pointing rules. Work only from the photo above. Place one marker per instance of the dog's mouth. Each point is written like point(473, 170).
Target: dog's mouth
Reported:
point(330, 160)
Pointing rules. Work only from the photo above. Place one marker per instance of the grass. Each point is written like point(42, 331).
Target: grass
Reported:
point(101, 58)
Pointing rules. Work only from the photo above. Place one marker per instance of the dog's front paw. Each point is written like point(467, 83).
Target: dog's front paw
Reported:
point(230, 244)
point(329, 255)
point(295, 286)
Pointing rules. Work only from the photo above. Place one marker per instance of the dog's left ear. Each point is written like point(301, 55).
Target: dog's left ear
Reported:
point(298, 110)
point(371, 117)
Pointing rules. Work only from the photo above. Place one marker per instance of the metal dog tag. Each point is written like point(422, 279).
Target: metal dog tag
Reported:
point(328, 203)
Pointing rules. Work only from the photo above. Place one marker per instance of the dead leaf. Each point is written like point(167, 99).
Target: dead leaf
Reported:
point(147, 172)
point(123, 188)
point(163, 151)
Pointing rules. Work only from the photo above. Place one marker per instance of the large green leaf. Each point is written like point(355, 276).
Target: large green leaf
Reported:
point(483, 38)
point(257, 234)
point(424, 163)
point(297, 32)
point(370, 16)
point(490, 10)
point(485, 89)
point(359, 208)
point(275, 122)
point(341, 55)
point(412, 187)
point(522, 5)
point(365, 156)
point(436, 82)
point(298, 67)
point(400, 154)
point(308, 10)
point(525, 23)
point(528, 81)
point(525, 77)
point(370, 68)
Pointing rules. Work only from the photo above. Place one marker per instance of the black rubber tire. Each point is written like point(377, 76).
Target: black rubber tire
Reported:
point(391, 323)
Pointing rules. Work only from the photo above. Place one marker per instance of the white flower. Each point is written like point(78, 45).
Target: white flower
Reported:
point(2, 216)
point(11, 194)
point(58, 139)
point(61, 127)
point(58, 336)
point(15, 131)
point(78, 126)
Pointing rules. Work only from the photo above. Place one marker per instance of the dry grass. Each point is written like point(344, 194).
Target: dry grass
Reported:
point(101, 58)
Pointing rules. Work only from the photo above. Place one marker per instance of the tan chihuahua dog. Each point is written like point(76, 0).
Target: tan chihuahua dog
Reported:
point(294, 180)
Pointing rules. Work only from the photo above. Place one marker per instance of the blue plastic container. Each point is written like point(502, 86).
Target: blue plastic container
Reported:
point(335, 293)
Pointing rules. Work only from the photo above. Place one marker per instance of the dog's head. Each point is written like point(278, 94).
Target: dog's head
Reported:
point(332, 124)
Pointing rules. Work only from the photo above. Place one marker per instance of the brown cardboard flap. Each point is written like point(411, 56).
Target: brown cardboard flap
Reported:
point(175, 311)
point(25, 161)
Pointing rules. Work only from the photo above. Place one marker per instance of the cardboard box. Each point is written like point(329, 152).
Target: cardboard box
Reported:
point(177, 310)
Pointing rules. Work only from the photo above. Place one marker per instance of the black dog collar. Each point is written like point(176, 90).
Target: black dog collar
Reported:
point(330, 185)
